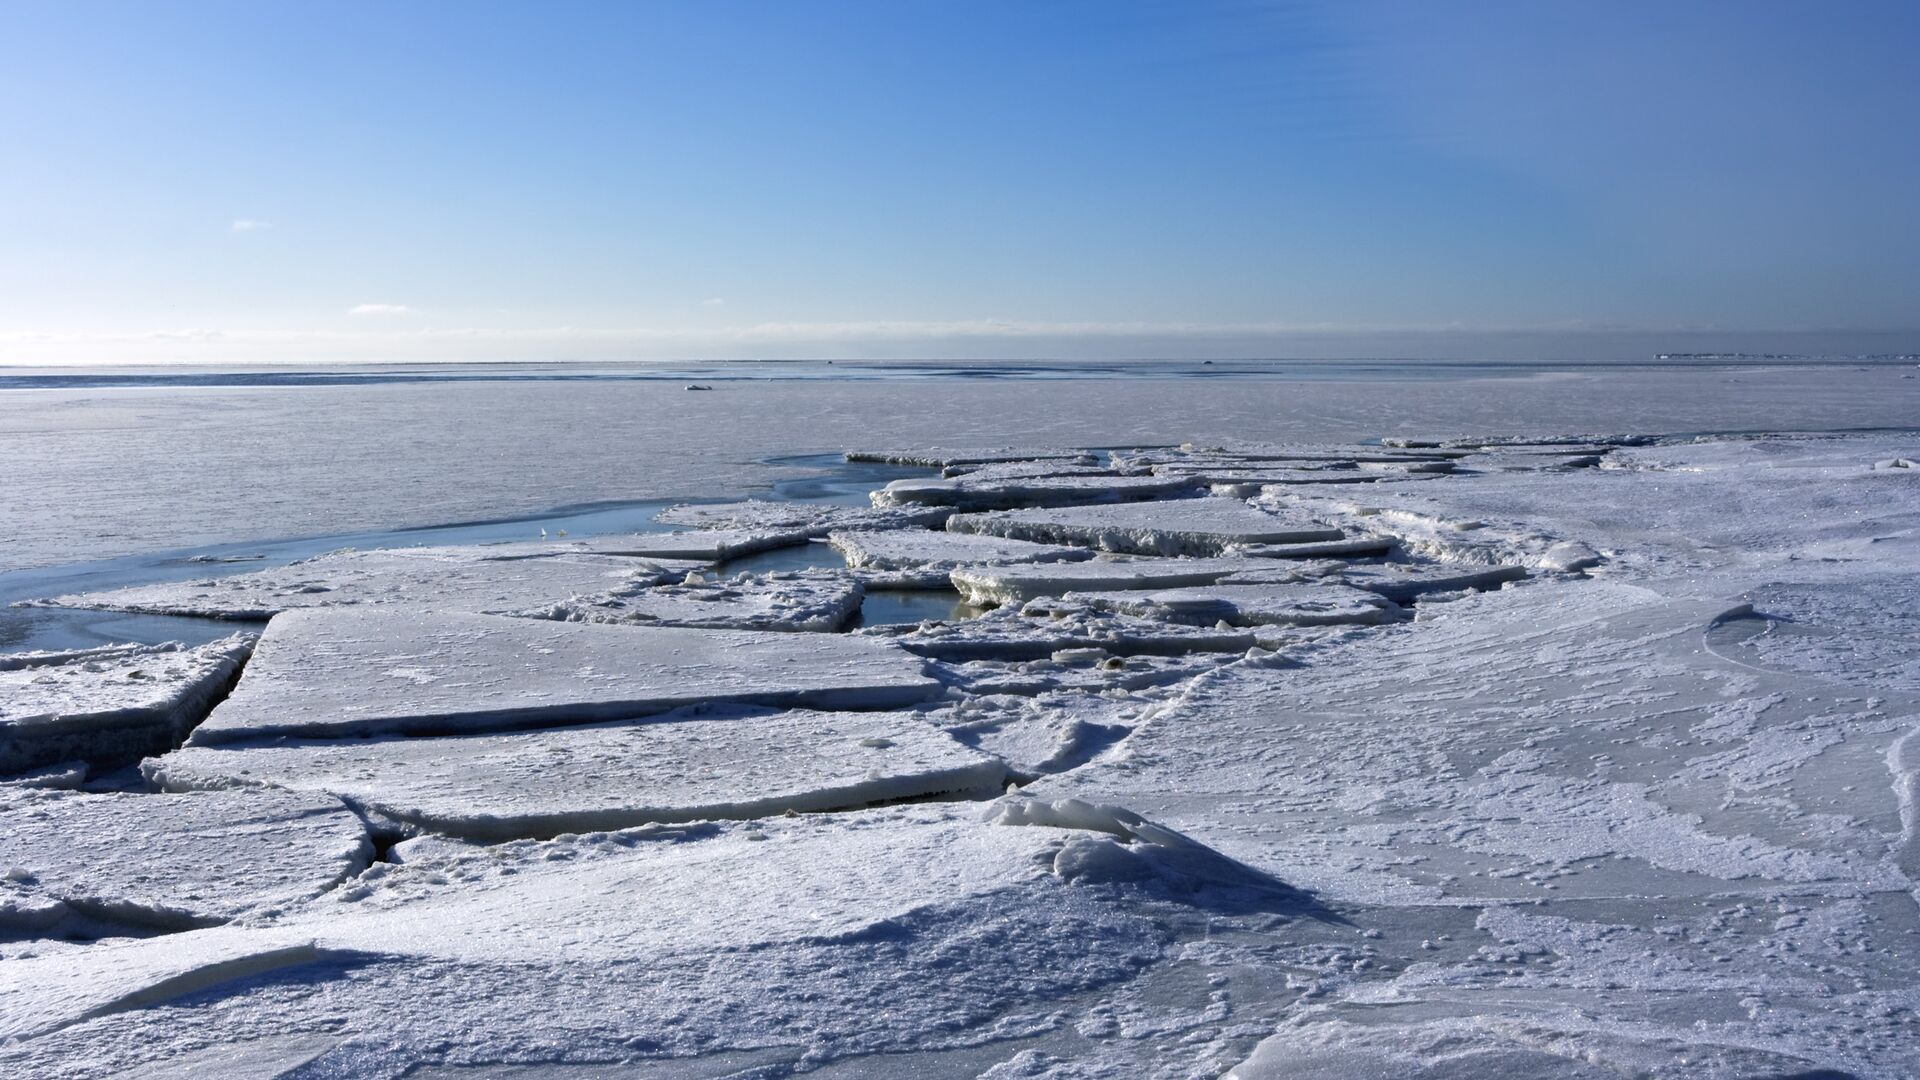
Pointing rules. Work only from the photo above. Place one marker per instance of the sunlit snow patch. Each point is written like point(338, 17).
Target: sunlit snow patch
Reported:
point(1178, 527)
point(802, 600)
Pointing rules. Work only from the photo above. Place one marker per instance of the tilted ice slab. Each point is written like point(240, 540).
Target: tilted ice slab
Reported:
point(967, 492)
point(797, 600)
point(818, 520)
point(924, 549)
point(1180, 527)
point(1014, 470)
point(472, 578)
point(171, 861)
point(703, 545)
point(350, 672)
point(1316, 604)
point(1012, 634)
point(676, 768)
point(1401, 582)
point(998, 584)
point(109, 704)
point(938, 458)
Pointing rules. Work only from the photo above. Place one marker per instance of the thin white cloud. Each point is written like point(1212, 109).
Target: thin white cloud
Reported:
point(712, 301)
point(250, 225)
point(379, 309)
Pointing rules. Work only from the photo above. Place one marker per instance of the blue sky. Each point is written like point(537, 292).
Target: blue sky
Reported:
point(411, 181)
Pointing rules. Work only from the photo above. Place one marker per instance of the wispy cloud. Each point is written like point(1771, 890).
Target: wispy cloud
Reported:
point(246, 224)
point(379, 309)
point(712, 301)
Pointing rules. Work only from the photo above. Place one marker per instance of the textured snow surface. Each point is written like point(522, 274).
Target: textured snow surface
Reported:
point(170, 861)
point(924, 549)
point(351, 672)
point(675, 768)
point(802, 924)
point(1249, 605)
point(817, 600)
point(1010, 633)
point(477, 578)
point(1180, 527)
point(937, 458)
point(111, 704)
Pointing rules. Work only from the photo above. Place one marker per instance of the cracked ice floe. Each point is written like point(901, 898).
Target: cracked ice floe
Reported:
point(789, 600)
point(971, 493)
point(1437, 530)
point(345, 671)
point(1301, 604)
point(171, 861)
point(111, 704)
point(679, 767)
point(1206, 526)
point(700, 545)
point(472, 578)
point(1000, 584)
point(818, 520)
point(816, 916)
point(1401, 582)
point(1009, 633)
point(926, 550)
point(1012, 470)
point(937, 458)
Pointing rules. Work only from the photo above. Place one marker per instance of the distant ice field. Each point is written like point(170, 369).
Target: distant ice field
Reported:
point(106, 465)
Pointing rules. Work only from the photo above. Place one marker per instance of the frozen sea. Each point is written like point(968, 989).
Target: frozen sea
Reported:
point(1640, 802)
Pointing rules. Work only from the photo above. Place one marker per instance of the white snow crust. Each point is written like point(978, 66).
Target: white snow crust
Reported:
point(792, 600)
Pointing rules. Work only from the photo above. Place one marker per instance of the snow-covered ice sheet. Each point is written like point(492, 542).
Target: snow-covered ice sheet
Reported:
point(1014, 584)
point(815, 518)
point(938, 458)
point(1010, 633)
point(925, 549)
point(968, 492)
point(345, 671)
point(1402, 582)
point(111, 704)
point(1206, 526)
point(474, 578)
point(1303, 604)
point(679, 767)
point(793, 600)
point(691, 928)
point(169, 861)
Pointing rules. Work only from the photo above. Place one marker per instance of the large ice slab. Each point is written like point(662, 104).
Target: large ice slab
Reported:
point(350, 672)
point(171, 861)
point(663, 938)
point(817, 519)
point(940, 458)
point(790, 600)
point(1315, 604)
point(1208, 526)
point(112, 704)
point(1013, 584)
point(1401, 582)
point(923, 549)
point(1009, 633)
point(475, 578)
point(988, 493)
point(676, 768)
point(702, 545)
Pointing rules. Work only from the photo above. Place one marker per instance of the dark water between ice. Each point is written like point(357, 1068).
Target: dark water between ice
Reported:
point(835, 482)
